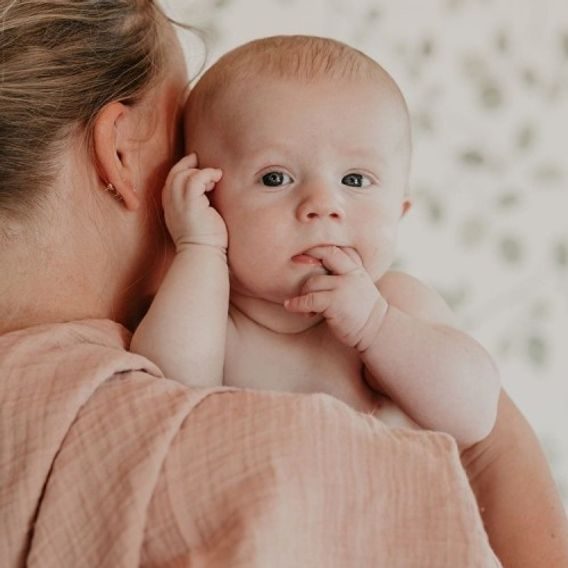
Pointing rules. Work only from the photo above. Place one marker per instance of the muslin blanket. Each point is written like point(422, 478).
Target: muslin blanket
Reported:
point(105, 463)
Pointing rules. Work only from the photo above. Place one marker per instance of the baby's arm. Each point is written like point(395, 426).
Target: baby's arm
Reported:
point(184, 330)
point(439, 375)
point(405, 335)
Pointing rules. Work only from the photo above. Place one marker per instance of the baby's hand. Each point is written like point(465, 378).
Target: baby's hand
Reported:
point(347, 297)
point(189, 215)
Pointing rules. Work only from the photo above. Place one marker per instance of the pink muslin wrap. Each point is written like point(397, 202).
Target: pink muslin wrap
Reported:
point(105, 463)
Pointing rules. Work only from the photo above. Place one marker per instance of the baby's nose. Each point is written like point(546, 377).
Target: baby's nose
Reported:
point(320, 203)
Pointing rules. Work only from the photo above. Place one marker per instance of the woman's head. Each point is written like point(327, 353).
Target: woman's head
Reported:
point(62, 62)
point(93, 84)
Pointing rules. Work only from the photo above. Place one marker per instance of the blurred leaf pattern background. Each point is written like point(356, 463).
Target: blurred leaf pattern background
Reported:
point(486, 82)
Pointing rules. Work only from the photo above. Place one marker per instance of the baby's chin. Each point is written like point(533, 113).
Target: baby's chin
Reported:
point(272, 297)
point(274, 294)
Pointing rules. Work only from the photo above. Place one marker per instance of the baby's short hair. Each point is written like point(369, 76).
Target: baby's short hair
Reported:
point(300, 57)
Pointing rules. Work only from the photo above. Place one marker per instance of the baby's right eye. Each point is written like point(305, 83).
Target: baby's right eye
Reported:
point(275, 179)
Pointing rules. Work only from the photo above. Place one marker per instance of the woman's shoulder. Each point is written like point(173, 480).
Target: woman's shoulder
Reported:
point(251, 471)
point(85, 428)
point(74, 358)
point(37, 339)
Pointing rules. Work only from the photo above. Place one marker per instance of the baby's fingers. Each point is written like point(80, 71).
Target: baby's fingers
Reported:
point(313, 302)
point(201, 181)
point(338, 260)
point(186, 163)
point(319, 283)
point(189, 184)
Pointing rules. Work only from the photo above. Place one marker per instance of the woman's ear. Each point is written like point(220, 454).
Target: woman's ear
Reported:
point(406, 205)
point(112, 146)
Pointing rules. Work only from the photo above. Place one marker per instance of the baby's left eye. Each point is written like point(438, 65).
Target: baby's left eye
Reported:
point(356, 180)
point(275, 179)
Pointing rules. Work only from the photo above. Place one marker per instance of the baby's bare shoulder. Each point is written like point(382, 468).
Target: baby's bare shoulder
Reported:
point(412, 296)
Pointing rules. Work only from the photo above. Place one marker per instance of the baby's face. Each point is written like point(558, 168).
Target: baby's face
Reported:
point(305, 165)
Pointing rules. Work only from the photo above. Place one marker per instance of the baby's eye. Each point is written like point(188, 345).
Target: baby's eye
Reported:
point(276, 179)
point(356, 180)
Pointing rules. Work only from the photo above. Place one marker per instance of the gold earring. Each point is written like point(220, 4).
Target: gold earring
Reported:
point(113, 191)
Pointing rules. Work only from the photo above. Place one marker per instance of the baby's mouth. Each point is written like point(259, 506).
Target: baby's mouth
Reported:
point(304, 258)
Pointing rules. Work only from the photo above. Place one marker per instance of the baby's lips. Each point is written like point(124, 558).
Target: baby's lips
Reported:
point(306, 259)
point(350, 251)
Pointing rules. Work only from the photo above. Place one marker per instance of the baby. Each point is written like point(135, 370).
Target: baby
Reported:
point(313, 141)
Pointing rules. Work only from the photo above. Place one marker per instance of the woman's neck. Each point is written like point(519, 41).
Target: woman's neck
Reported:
point(50, 282)
point(32, 296)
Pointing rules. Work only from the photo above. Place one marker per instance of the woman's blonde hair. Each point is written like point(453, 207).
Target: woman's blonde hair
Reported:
point(61, 62)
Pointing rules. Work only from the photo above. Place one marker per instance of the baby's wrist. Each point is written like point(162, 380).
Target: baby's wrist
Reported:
point(373, 325)
point(191, 247)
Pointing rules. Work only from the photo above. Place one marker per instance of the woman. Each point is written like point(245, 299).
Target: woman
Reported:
point(104, 463)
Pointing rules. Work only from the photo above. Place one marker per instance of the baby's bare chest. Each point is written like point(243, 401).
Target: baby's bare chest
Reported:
point(307, 363)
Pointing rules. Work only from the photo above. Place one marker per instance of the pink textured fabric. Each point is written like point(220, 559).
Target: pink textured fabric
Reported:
point(105, 463)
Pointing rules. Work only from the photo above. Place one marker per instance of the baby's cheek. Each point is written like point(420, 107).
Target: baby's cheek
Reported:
point(246, 254)
point(379, 254)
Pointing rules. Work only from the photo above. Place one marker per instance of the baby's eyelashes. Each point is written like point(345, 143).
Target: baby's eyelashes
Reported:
point(356, 180)
point(276, 179)
point(279, 178)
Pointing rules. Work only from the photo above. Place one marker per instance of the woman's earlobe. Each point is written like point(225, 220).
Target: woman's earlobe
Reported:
point(406, 205)
point(111, 146)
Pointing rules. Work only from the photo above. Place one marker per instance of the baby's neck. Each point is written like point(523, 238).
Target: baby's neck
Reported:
point(270, 315)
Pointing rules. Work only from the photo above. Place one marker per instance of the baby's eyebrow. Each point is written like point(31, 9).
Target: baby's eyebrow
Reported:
point(364, 153)
point(268, 149)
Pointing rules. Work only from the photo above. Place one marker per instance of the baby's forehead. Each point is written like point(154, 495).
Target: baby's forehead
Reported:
point(363, 93)
point(241, 82)
point(297, 119)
